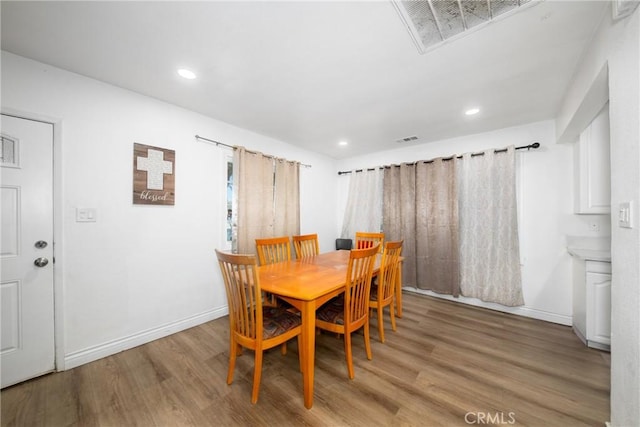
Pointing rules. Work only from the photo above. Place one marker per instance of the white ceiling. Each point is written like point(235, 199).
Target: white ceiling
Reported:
point(314, 73)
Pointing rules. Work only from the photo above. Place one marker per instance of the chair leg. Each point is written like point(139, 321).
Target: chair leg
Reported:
point(381, 323)
point(257, 373)
point(283, 348)
point(367, 341)
point(393, 317)
point(348, 354)
point(233, 349)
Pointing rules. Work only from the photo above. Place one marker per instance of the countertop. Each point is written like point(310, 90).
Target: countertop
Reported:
point(590, 254)
point(590, 248)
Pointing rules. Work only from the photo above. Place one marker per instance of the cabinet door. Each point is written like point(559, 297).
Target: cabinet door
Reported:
point(593, 195)
point(599, 307)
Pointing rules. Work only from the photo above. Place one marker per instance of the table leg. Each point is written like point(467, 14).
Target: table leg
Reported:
point(308, 313)
point(399, 292)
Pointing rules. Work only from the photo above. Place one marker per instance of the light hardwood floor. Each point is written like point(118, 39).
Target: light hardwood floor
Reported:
point(447, 365)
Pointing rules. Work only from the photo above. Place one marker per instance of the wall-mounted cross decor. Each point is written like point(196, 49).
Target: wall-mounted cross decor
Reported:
point(153, 175)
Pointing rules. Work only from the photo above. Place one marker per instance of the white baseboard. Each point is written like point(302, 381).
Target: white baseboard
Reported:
point(520, 311)
point(580, 335)
point(91, 354)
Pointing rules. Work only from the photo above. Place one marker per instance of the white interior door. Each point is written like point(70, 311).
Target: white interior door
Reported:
point(26, 250)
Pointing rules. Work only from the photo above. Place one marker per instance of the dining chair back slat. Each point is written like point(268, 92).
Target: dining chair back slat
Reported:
point(248, 317)
point(383, 293)
point(306, 245)
point(366, 240)
point(274, 249)
point(349, 312)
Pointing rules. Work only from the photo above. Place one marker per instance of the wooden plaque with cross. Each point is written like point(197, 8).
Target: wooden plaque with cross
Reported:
point(153, 175)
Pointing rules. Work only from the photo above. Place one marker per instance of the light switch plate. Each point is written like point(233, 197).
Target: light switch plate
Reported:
point(86, 215)
point(625, 214)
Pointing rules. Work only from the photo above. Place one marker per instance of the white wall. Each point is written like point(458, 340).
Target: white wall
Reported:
point(624, 87)
point(545, 209)
point(139, 272)
point(617, 46)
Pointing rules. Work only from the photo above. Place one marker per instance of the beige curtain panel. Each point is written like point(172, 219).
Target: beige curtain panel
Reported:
point(267, 195)
point(489, 243)
point(458, 220)
point(437, 262)
point(286, 198)
point(399, 217)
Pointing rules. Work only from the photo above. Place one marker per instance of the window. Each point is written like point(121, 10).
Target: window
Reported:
point(228, 231)
point(262, 208)
point(9, 151)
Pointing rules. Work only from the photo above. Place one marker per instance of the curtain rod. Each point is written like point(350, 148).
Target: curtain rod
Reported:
point(533, 145)
point(248, 151)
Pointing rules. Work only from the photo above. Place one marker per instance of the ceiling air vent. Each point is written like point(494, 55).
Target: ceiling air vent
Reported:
point(408, 139)
point(623, 8)
point(431, 22)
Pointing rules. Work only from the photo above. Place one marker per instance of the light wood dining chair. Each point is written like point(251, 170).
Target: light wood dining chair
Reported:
point(383, 292)
point(348, 313)
point(273, 249)
point(366, 240)
point(252, 325)
point(306, 245)
point(270, 251)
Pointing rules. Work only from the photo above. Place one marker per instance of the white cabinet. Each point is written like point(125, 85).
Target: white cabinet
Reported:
point(592, 302)
point(593, 167)
point(598, 307)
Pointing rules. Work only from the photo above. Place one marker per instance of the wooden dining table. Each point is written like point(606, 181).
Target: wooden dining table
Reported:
point(306, 284)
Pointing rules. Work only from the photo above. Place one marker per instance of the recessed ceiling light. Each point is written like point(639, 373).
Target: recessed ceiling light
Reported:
point(472, 111)
point(343, 143)
point(187, 74)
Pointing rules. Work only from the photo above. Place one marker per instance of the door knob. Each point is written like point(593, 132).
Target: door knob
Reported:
point(41, 244)
point(41, 262)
